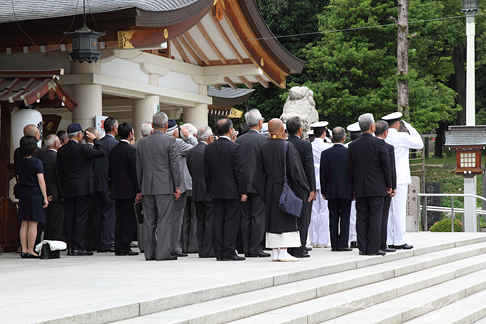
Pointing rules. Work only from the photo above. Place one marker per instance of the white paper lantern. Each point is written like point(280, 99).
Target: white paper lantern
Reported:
point(22, 118)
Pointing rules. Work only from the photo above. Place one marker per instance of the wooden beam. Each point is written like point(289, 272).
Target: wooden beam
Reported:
point(262, 81)
point(210, 42)
point(227, 39)
point(197, 48)
point(9, 88)
point(217, 86)
point(230, 83)
point(190, 50)
point(26, 87)
point(230, 62)
point(180, 50)
point(246, 82)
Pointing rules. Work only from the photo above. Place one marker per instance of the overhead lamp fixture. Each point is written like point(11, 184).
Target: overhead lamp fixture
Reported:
point(85, 42)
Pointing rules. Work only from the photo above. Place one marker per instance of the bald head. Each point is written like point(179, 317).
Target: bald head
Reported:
point(32, 130)
point(275, 127)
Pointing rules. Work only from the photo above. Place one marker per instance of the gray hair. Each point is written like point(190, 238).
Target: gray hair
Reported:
point(171, 132)
point(204, 133)
point(253, 117)
point(365, 121)
point(159, 120)
point(51, 140)
point(73, 135)
point(146, 129)
point(190, 128)
point(338, 134)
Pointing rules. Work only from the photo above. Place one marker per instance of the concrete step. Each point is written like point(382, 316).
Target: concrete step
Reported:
point(467, 310)
point(415, 305)
point(363, 285)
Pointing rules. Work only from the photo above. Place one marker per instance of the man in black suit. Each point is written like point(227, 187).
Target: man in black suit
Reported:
point(295, 130)
point(200, 197)
point(253, 209)
point(122, 174)
point(226, 184)
point(105, 206)
point(74, 164)
point(382, 132)
point(370, 178)
point(336, 189)
point(55, 210)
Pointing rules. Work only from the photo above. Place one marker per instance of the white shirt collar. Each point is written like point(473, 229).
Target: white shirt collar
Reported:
point(49, 149)
point(89, 143)
point(225, 137)
point(124, 140)
point(110, 135)
point(203, 142)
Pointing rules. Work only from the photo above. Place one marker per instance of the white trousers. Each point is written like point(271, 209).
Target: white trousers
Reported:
point(397, 217)
point(353, 236)
point(319, 224)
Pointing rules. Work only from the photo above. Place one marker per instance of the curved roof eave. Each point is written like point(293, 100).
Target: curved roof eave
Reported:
point(171, 17)
point(269, 42)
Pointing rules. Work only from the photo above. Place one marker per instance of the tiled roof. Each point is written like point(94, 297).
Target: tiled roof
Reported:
point(228, 93)
point(41, 9)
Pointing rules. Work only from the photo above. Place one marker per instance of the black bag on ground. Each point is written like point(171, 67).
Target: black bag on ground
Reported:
point(139, 211)
point(46, 252)
point(289, 202)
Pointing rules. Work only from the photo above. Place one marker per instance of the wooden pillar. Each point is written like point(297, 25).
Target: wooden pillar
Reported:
point(9, 226)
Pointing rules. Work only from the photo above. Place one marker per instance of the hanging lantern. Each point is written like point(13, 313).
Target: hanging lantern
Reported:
point(85, 43)
point(24, 116)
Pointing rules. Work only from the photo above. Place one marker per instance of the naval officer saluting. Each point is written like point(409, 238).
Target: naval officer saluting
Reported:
point(354, 132)
point(402, 142)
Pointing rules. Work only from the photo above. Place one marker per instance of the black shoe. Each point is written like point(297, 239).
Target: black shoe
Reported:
point(336, 250)
point(22, 255)
point(388, 249)
point(130, 252)
point(403, 246)
point(133, 245)
point(110, 249)
point(379, 252)
point(178, 254)
point(354, 245)
point(90, 248)
point(70, 251)
point(307, 248)
point(30, 256)
point(82, 252)
point(259, 255)
point(305, 255)
point(235, 258)
point(171, 258)
point(346, 249)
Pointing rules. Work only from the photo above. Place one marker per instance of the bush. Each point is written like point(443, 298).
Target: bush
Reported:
point(445, 226)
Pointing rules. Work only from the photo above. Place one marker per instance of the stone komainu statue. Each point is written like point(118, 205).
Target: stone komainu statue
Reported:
point(300, 102)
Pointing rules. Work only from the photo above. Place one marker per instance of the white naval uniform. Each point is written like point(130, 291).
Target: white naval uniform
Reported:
point(353, 235)
point(319, 224)
point(397, 218)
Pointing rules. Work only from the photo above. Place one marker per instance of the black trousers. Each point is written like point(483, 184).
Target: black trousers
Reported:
point(205, 218)
point(339, 210)
point(369, 211)
point(252, 224)
point(76, 215)
point(227, 214)
point(125, 225)
point(105, 220)
point(55, 221)
point(303, 226)
point(189, 226)
point(384, 221)
point(90, 238)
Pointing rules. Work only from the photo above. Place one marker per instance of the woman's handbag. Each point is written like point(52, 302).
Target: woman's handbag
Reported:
point(289, 202)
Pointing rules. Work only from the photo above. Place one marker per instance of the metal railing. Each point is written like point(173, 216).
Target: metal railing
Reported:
point(447, 209)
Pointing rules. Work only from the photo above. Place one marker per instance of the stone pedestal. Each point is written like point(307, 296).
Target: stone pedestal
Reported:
point(470, 219)
point(433, 216)
point(413, 215)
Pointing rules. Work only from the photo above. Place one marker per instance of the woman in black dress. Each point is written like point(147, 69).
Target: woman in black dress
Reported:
point(33, 196)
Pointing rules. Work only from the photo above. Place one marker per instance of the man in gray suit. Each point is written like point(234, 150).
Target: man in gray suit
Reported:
point(159, 178)
point(253, 209)
point(186, 184)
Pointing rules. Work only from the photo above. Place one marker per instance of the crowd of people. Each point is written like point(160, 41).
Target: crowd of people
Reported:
point(219, 196)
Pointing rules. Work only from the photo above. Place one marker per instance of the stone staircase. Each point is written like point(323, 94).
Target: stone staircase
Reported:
point(442, 283)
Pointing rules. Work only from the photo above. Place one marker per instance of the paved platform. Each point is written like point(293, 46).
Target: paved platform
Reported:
point(105, 288)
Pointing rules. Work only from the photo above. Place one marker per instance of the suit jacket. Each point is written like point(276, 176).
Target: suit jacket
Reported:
point(307, 158)
point(74, 167)
point(158, 171)
point(224, 170)
point(250, 144)
point(369, 166)
point(122, 171)
point(100, 166)
point(195, 165)
point(334, 173)
point(53, 186)
point(393, 170)
point(183, 148)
